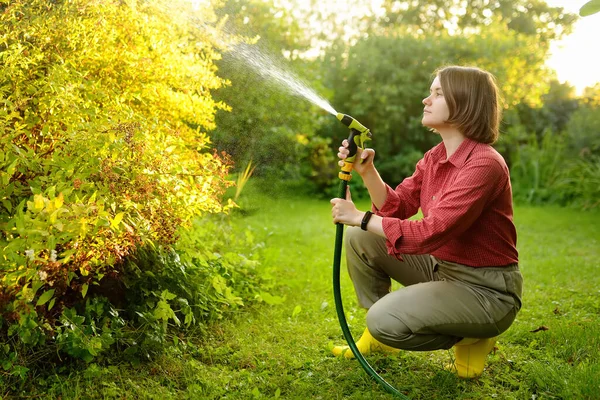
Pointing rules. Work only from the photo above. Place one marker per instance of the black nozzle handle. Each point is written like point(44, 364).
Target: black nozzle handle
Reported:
point(352, 145)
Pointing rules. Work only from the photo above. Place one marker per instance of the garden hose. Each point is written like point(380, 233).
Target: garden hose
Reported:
point(358, 136)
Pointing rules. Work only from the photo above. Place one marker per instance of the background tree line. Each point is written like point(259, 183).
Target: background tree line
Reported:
point(377, 65)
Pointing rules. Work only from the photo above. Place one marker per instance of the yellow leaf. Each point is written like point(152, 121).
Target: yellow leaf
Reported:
point(117, 220)
point(54, 217)
point(59, 201)
point(38, 202)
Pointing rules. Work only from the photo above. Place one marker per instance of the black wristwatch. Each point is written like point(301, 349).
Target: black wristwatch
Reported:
point(365, 220)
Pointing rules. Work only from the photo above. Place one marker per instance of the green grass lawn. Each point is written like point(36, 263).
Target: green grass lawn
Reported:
point(552, 351)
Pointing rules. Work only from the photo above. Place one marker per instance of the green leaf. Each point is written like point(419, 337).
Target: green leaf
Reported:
point(36, 285)
point(44, 298)
point(219, 283)
point(270, 299)
point(70, 276)
point(12, 167)
point(84, 289)
point(296, 311)
point(166, 295)
point(7, 204)
point(189, 318)
point(589, 8)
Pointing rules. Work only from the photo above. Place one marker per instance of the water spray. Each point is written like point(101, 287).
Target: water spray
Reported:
point(359, 134)
point(264, 64)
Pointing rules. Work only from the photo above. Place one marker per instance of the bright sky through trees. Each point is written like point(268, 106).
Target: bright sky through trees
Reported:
point(576, 58)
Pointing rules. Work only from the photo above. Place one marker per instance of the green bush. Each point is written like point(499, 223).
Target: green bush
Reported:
point(583, 131)
point(161, 294)
point(536, 167)
point(548, 172)
point(101, 172)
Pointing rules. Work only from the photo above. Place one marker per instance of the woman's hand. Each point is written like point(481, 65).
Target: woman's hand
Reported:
point(344, 211)
point(363, 161)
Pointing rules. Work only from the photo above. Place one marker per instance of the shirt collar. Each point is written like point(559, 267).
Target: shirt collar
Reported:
point(461, 154)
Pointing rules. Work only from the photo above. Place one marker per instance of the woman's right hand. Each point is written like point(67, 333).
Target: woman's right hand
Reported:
point(363, 161)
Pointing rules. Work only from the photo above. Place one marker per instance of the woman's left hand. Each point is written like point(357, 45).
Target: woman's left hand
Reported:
point(344, 211)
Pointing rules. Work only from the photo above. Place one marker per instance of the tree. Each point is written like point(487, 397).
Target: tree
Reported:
point(528, 17)
point(583, 128)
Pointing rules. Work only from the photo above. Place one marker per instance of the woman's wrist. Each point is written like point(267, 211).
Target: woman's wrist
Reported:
point(358, 219)
point(369, 172)
point(365, 220)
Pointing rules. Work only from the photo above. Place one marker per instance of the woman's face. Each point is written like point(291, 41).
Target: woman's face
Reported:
point(435, 113)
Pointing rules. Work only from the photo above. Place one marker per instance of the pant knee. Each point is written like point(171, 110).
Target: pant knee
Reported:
point(387, 328)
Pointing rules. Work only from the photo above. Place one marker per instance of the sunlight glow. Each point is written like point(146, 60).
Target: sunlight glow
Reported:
point(576, 58)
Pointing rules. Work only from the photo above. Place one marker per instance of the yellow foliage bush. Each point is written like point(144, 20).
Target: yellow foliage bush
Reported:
point(104, 112)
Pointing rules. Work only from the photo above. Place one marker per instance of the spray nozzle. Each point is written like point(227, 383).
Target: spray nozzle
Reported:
point(359, 134)
point(352, 123)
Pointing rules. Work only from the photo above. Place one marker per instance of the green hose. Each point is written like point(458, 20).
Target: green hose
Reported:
point(337, 257)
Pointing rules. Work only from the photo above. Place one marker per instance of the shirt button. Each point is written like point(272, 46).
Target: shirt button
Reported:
point(433, 198)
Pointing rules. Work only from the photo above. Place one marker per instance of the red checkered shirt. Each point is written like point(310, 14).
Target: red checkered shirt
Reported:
point(466, 202)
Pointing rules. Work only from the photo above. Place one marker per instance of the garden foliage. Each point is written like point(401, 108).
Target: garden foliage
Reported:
point(555, 150)
point(377, 68)
point(104, 160)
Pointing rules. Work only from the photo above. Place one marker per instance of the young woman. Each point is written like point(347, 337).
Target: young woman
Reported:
point(458, 264)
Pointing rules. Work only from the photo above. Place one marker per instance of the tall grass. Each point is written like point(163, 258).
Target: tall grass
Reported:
point(536, 168)
point(580, 181)
point(546, 172)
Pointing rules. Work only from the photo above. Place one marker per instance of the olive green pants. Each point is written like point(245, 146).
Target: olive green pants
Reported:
point(440, 302)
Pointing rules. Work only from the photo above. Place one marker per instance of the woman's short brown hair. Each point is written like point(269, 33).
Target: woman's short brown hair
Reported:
point(473, 101)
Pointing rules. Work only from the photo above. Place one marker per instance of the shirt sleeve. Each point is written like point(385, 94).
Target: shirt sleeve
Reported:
point(463, 202)
point(403, 202)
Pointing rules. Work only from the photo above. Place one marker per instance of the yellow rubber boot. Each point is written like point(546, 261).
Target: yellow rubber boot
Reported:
point(366, 344)
point(470, 355)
